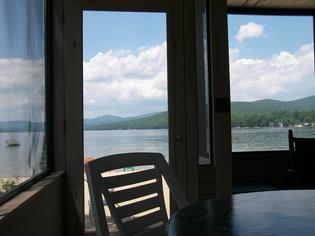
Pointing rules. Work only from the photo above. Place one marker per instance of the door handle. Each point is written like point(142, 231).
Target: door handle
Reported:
point(179, 138)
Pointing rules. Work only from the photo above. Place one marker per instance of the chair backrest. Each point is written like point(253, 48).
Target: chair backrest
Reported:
point(135, 199)
point(302, 153)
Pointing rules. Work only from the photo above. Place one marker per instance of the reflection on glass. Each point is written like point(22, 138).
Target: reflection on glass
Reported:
point(203, 82)
point(22, 85)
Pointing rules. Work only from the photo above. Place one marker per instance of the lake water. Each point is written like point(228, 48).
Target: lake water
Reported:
point(101, 143)
point(107, 142)
point(15, 161)
point(24, 160)
point(261, 139)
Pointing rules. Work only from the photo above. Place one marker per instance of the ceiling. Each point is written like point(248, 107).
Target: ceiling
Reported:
point(273, 4)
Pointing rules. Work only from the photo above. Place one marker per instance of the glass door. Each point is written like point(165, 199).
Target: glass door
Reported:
point(125, 89)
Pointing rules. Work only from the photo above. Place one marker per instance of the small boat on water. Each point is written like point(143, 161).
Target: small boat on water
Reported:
point(12, 143)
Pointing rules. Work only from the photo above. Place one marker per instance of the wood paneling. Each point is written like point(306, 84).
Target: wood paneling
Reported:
point(73, 76)
point(191, 101)
point(58, 98)
point(122, 5)
point(207, 183)
point(268, 168)
point(273, 4)
point(249, 169)
point(220, 80)
point(38, 211)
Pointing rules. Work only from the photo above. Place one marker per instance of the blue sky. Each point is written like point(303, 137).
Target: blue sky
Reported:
point(125, 63)
point(271, 57)
point(22, 67)
point(125, 68)
point(281, 33)
point(21, 29)
point(121, 30)
point(125, 30)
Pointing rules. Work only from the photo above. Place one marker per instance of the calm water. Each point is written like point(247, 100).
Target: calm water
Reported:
point(259, 139)
point(15, 161)
point(107, 142)
point(24, 160)
point(101, 143)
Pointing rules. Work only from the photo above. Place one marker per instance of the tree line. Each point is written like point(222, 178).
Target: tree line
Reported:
point(273, 119)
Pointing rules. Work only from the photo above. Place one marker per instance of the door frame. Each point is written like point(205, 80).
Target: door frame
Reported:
point(182, 94)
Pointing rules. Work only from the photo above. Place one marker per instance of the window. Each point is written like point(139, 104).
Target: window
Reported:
point(23, 126)
point(125, 90)
point(203, 83)
point(272, 80)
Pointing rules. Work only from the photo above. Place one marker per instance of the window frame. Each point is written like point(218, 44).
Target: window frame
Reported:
point(273, 12)
point(48, 112)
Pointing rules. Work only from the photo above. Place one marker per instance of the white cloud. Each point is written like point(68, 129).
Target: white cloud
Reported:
point(22, 89)
point(250, 30)
point(233, 53)
point(123, 83)
point(284, 76)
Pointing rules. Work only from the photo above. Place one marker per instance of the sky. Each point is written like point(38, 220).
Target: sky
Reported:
point(271, 57)
point(104, 31)
point(125, 60)
point(21, 29)
point(125, 68)
point(125, 65)
point(278, 33)
point(22, 66)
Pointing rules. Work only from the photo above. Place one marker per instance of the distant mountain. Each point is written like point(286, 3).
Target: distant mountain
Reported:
point(273, 113)
point(109, 119)
point(159, 120)
point(269, 105)
point(141, 116)
point(21, 126)
point(154, 121)
point(101, 120)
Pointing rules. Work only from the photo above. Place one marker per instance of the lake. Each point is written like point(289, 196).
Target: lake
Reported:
point(100, 143)
point(24, 160)
point(107, 142)
point(262, 139)
point(15, 161)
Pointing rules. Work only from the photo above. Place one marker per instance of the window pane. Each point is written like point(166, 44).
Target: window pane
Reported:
point(272, 80)
point(22, 85)
point(125, 91)
point(204, 129)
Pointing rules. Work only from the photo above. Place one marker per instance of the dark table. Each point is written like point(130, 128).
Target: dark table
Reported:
point(274, 213)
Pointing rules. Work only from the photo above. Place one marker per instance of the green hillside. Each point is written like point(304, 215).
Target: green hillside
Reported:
point(157, 121)
point(274, 119)
point(268, 105)
point(261, 113)
point(106, 119)
point(266, 113)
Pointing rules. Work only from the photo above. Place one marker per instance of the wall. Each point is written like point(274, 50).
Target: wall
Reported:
point(256, 169)
point(38, 211)
point(267, 168)
point(219, 69)
point(207, 184)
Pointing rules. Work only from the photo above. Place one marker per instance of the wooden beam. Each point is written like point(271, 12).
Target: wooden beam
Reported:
point(272, 4)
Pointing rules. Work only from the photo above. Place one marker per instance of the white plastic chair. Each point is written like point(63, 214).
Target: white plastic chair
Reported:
point(127, 213)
